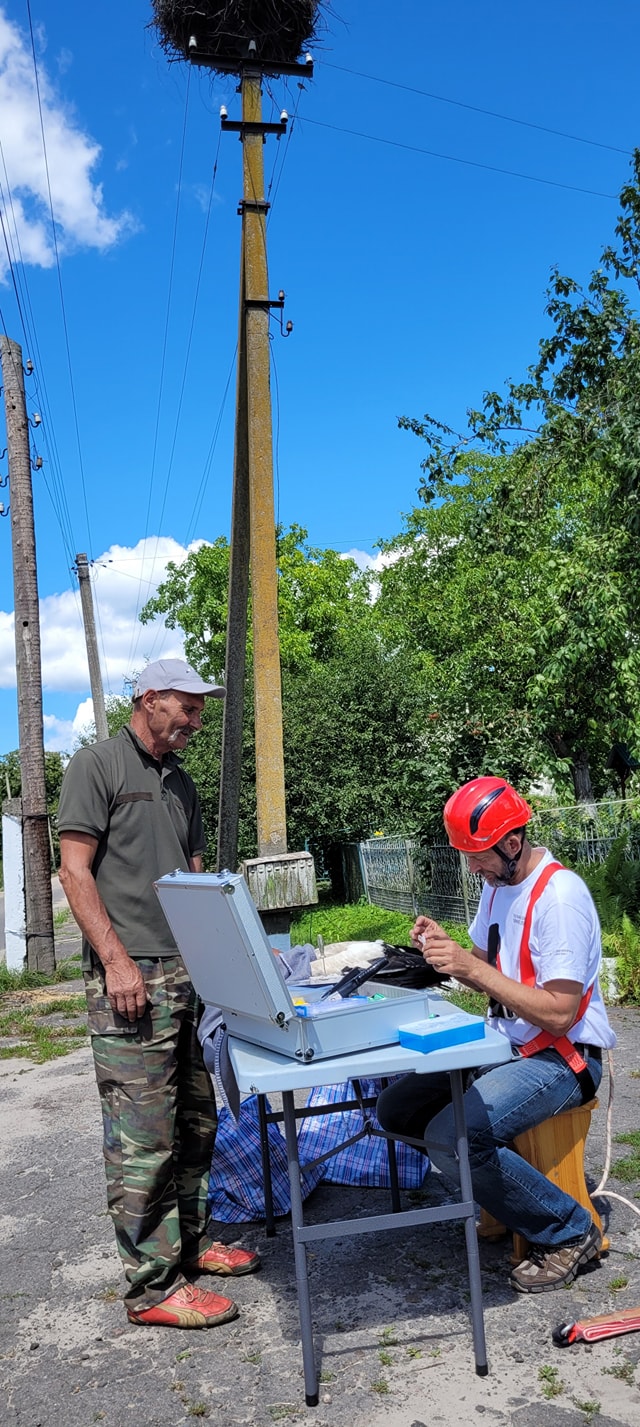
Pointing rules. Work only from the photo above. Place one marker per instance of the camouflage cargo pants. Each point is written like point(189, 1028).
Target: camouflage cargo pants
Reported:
point(159, 1118)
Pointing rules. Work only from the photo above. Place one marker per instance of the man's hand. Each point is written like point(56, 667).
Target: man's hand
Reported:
point(439, 949)
point(125, 988)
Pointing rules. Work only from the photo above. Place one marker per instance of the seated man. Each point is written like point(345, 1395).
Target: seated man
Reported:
point(536, 954)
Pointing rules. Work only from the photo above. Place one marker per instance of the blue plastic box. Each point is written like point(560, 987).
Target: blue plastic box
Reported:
point(441, 1031)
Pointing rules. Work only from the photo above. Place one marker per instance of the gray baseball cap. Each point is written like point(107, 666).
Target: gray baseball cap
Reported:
point(164, 674)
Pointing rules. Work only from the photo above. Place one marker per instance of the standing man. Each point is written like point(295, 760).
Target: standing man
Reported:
point(536, 954)
point(128, 815)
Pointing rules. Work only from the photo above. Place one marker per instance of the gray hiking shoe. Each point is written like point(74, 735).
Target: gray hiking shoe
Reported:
point(546, 1269)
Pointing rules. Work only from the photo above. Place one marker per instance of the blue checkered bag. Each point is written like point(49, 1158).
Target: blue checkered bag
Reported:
point(365, 1162)
point(236, 1190)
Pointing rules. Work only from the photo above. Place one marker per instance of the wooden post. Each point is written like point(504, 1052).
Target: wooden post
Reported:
point(39, 908)
point(95, 677)
point(231, 758)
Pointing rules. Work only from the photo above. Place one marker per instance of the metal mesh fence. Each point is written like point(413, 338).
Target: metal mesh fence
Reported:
point(445, 888)
point(404, 877)
point(400, 875)
point(586, 832)
point(388, 865)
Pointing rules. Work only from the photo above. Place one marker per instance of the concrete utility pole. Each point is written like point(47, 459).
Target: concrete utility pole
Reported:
point(278, 880)
point(39, 909)
point(95, 677)
point(270, 789)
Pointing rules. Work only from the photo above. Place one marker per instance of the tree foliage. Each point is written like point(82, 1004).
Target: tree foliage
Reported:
point(350, 731)
point(502, 634)
point(541, 499)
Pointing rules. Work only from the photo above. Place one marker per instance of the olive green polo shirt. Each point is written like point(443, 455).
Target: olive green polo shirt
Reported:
point(146, 818)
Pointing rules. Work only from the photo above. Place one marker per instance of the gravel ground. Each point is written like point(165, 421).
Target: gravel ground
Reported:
point(391, 1319)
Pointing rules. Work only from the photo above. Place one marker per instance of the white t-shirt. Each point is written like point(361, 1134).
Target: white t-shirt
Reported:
point(564, 942)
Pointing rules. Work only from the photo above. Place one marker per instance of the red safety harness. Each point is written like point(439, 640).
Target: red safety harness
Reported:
point(562, 1044)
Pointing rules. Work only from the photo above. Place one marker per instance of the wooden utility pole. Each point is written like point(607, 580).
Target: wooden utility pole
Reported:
point(231, 758)
point(95, 677)
point(39, 910)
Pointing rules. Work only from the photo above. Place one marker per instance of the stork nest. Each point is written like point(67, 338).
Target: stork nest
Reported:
point(222, 29)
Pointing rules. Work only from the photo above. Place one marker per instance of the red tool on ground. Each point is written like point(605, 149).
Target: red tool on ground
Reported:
point(609, 1325)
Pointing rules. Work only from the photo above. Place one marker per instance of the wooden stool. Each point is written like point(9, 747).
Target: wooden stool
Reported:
point(556, 1148)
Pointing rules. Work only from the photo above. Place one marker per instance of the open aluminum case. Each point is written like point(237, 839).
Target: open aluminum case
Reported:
point(226, 952)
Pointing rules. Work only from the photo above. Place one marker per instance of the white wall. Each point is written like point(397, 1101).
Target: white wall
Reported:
point(15, 926)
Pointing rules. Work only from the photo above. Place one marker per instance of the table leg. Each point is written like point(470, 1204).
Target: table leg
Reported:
point(392, 1161)
point(300, 1252)
point(269, 1217)
point(473, 1257)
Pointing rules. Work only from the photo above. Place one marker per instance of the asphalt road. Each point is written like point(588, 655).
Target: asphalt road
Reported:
point(390, 1310)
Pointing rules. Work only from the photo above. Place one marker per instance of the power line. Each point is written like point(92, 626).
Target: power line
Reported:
point(54, 235)
point(452, 158)
point(135, 630)
point(59, 272)
point(19, 281)
point(476, 109)
point(210, 454)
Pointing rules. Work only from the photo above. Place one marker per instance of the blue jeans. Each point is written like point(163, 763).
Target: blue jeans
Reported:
point(500, 1103)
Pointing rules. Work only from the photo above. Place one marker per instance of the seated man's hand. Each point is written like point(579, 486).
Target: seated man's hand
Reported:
point(423, 926)
point(445, 954)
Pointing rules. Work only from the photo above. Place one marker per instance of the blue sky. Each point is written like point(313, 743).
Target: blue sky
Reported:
point(414, 282)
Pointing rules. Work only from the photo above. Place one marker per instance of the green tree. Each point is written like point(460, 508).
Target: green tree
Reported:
point(541, 496)
point(11, 782)
point(349, 717)
point(118, 711)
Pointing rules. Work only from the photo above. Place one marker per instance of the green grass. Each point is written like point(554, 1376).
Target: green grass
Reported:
point(39, 1041)
point(360, 921)
point(18, 1021)
point(550, 1381)
point(628, 1169)
point(27, 980)
point(624, 1371)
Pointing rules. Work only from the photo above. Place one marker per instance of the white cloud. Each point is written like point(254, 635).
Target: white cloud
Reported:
point(123, 579)
point(61, 734)
point(71, 159)
point(373, 562)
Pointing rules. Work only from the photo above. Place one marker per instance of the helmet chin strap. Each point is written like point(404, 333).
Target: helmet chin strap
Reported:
point(510, 863)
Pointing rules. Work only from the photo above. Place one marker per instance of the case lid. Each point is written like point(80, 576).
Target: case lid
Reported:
point(223, 944)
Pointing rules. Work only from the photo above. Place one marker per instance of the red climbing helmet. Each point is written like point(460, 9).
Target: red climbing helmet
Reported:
point(483, 811)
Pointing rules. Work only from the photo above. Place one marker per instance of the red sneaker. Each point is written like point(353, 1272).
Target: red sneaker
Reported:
point(188, 1307)
point(220, 1258)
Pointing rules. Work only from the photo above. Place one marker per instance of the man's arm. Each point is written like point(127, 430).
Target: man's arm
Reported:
point(553, 1007)
point(125, 986)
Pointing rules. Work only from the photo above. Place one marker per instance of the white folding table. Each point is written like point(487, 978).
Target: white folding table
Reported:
point(259, 1071)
